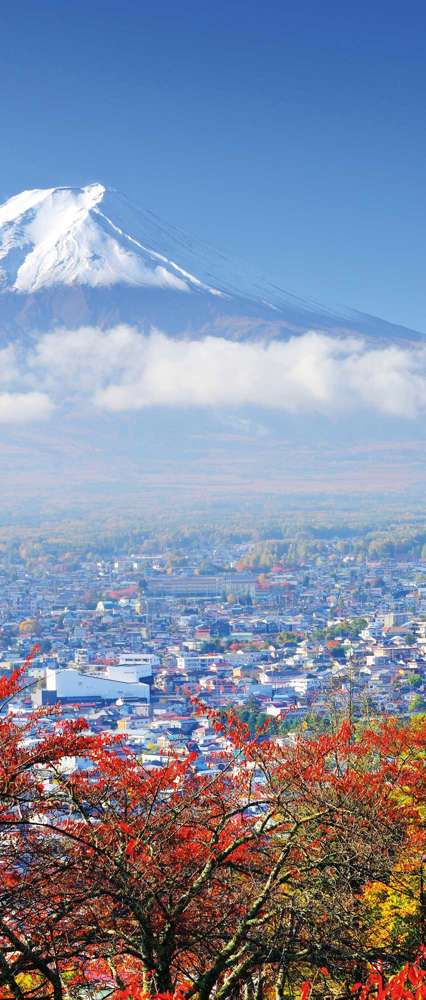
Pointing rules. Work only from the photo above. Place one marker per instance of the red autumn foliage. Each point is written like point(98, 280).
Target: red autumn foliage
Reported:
point(409, 983)
point(174, 882)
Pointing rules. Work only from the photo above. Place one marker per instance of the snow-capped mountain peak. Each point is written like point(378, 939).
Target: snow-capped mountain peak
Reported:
point(86, 256)
point(72, 236)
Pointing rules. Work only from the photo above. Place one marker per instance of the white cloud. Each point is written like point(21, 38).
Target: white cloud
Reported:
point(20, 407)
point(121, 369)
point(83, 360)
point(9, 370)
point(24, 407)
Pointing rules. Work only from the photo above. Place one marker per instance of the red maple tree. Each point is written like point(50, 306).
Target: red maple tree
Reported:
point(241, 877)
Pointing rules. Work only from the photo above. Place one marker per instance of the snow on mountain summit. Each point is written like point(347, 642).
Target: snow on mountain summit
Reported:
point(70, 236)
point(71, 257)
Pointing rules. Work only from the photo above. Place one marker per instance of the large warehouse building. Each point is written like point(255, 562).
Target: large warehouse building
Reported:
point(130, 683)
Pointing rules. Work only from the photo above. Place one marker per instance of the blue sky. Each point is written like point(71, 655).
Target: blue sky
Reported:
point(291, 135)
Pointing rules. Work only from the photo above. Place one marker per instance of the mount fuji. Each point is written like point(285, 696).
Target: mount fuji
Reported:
point(136, 362)
point(86, 256)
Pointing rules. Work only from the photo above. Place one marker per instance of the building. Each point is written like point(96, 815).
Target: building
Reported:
point(70, 686)
point(203, 586)
point(142, 664)
point(188, 663)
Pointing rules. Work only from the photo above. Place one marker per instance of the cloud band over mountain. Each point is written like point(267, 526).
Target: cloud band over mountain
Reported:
point(120, 369)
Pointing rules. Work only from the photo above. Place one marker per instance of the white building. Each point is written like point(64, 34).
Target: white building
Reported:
point(187, 663)
point(74, 686)
point(302, 684)
point(143, 664)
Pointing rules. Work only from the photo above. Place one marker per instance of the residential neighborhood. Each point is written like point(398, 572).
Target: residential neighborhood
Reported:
point(136, 644)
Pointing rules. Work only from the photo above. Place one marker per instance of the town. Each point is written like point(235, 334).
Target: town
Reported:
point(136, 641)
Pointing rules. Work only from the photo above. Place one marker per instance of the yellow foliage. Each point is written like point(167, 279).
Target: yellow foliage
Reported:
point(28, 981)
point(392, 911)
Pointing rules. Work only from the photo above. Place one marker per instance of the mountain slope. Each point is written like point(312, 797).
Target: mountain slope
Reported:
point(73, 256)
point(61, 236)
point(92, 413)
